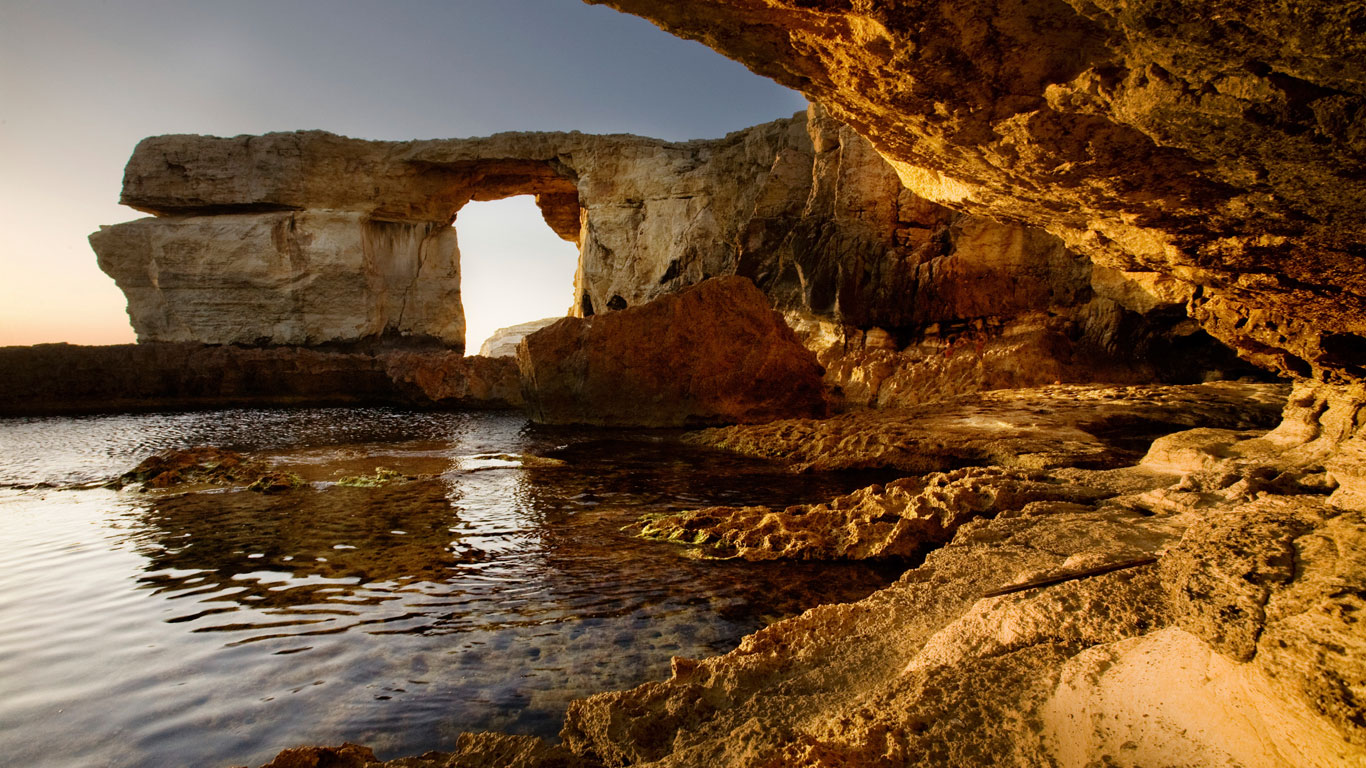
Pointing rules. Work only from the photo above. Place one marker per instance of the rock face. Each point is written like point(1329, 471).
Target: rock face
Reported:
point(714, 353)
point(504, 341)
point(61, 378)
point(1222, 145)
point(301, 278)
point(308, 237)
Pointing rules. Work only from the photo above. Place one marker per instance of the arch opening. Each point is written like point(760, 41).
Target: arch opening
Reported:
point(514, 268)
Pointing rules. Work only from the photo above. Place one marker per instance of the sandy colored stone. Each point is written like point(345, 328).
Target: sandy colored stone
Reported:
point(714, 353)
point(302, 278)
point(261, 239)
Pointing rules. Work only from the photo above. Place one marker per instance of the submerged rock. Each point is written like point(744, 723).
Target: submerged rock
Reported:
point(472, 750)
point(714, 353)
point(203, 464)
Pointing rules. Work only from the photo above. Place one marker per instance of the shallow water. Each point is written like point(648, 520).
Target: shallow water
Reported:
point(215, 628)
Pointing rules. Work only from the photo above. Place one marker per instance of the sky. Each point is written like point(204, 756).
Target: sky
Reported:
point(82, 81)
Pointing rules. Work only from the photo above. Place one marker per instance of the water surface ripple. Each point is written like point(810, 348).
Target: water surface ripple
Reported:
point(214, 628)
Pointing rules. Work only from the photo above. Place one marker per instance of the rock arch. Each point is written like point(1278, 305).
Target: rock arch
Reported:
point(312, 238)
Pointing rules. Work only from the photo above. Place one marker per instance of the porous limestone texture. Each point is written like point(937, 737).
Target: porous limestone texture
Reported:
point(713, 353)
point(63, 378)
point(504, 341)
point(902, 519)
point(1221, 143)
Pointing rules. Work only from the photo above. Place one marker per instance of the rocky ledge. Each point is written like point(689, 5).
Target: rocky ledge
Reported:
point(1195, 604)
point(62, 378)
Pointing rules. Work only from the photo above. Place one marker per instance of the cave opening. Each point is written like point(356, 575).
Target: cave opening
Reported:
point(514, 268)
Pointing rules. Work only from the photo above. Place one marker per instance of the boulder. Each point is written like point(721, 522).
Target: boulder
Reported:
point(714, 353)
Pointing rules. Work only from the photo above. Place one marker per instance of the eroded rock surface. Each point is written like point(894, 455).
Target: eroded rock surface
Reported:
point(1121, 667)
point(1221, 144)
point(1198, 607)
point(714, 353)
point(901, 519)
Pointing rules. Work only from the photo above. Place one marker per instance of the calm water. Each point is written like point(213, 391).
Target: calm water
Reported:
point(215, 628)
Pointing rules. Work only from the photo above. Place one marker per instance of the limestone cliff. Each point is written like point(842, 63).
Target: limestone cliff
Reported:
point(308, 238)
point(1220, 142)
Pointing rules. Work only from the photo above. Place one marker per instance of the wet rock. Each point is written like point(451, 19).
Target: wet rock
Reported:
point(276, 482)
point(472, 750)
point(381, 477)
point(346, 756)
point(715, 353)
point(898, 520)
point(203, 464)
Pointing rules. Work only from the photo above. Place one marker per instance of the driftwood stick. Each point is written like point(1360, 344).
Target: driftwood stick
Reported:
point(1049, 581)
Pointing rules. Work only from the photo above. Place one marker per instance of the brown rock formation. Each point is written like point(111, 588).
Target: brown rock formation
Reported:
point(1140, 629)
point(61, 378)
point(714, 353)
point(1221, 144)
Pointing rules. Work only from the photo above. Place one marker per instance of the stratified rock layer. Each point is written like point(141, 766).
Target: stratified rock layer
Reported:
point(1222, 143)
point(299, 278)
point(714, 353)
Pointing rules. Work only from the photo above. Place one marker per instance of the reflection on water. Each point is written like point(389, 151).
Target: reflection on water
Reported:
point(214, 628)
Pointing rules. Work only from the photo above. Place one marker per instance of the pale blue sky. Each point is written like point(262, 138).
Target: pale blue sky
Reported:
point(81, 81)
